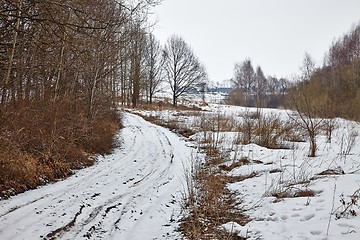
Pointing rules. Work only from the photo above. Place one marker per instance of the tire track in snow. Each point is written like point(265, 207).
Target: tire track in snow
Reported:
point(131, 194)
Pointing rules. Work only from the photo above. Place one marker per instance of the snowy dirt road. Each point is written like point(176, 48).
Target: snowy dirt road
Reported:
point(133, 193)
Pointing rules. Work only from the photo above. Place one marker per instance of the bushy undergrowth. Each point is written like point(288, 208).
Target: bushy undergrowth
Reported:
point(268, 131)
point(44, 141)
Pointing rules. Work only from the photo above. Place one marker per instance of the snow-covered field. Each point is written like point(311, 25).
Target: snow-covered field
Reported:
point(332, 213)
point(322, 216)
point(134, 193)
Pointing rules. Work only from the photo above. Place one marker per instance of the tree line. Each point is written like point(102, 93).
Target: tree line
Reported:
point(252, 89)
point(333, 90)
point(146, 70)
point(322, 94)
point(88, 49)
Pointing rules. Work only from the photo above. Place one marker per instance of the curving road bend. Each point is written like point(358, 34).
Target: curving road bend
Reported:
point(134, 193)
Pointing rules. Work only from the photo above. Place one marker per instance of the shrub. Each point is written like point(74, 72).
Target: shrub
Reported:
point(45, 141)
point(266, 131)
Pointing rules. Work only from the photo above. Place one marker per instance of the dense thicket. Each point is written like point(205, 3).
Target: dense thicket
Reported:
point(334, 89)
point(63, 66)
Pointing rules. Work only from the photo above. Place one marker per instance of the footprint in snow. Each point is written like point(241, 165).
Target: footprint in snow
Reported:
point(274, 219)
point(307, 217)
point(297, 209)
point(316, 232)
point(271, 213)
point(345, 225)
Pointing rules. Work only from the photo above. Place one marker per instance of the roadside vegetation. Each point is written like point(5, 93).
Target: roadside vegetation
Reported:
point(44, 142)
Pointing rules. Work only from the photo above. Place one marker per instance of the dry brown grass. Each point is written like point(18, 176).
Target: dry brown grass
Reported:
point(215, 122)
point(240, 178)
point(173, 125)
point(166, 105)
point(241, 162)
point(42, 142)
point(266, 131)
point(290, 193)
point(212, 206)
point(209, 203)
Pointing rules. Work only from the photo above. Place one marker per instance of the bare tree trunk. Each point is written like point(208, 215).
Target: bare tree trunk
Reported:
point(174, 99)
point(174, 94)
point(12, 54)
point(312, 151)
point(56, 90)
point(92, 94)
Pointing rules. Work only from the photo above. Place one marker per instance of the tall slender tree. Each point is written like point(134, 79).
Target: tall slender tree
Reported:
point(260, 87)
point(154, 67)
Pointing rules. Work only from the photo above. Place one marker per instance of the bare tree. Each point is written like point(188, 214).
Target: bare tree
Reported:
point(154, 64)
point(137, 50)
point(308, 112)
point(13, 47)
point(308, 67)
point(182, 68)
point(244, 79)
point(260, 87)
point(345, 50)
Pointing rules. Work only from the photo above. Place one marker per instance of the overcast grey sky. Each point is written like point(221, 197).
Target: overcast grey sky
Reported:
point(274, 34)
